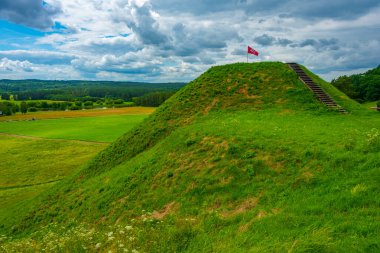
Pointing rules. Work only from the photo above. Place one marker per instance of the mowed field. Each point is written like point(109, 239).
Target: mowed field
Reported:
point(36, 154)
point(80, 113)
point(88, 125)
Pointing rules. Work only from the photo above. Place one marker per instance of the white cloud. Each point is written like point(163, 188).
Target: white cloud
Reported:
point(156, 40)
point(38, 56)
point(7, 65)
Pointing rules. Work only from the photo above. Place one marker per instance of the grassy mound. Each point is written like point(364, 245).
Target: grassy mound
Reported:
point(244, 158)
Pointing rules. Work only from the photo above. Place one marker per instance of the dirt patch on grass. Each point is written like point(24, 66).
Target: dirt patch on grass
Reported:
point(286, 112)
point(281, 101)
point(261, 214)
point(306, 177)
point(212, 105)
point(277, 166)
point(247, 205)
point(168, 209)
point(245, 91)
point(216, 143)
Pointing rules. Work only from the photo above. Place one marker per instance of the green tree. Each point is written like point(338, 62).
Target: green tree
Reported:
point(344, 83)
point(23, 107)
point(362, 87)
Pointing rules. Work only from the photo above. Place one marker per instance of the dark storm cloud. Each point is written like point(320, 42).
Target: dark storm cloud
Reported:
point(177, 39)
point(265, 40)
point(31, 13)
point(190, 41)
point(145, 26)
point(318, 44)
point(198, 7)
point(284, 42)
point(330, 44)
point(337, 9)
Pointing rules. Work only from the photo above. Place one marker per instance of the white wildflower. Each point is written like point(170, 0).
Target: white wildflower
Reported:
point(128, 227)
point(121, 245)
point(97, 246)
point(110, 234)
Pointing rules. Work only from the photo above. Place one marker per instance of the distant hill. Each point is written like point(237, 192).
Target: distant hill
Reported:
point(242, 159)
point(361, 87)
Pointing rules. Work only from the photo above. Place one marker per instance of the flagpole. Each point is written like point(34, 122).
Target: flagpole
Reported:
point(247, 57)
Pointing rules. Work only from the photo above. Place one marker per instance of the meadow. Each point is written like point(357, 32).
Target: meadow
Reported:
point(243, 159)
point(36, 154)
point(89, 125)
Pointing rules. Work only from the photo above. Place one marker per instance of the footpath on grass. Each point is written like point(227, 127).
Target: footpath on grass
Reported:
point(51, 139)
point(29, 185)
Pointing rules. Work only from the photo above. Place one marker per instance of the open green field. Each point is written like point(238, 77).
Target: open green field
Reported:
point(242, 159)
point(35, 155)
point(101, 129)
point(30, 166)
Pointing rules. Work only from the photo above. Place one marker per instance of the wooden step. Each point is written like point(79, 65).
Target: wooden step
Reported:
point(316, 89)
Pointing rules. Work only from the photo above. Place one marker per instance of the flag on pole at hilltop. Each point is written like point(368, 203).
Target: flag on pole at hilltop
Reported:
point(252, 51)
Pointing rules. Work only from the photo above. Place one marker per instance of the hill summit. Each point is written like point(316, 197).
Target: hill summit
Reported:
point(243, 158)
point(231, 88)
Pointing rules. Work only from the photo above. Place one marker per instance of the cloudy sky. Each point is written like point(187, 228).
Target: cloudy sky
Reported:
point(176, 40)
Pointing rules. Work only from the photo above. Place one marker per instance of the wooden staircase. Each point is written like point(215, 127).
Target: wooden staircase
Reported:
point(316, 89)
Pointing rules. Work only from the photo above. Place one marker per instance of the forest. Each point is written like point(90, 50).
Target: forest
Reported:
point(361, 87)
point(39, 95)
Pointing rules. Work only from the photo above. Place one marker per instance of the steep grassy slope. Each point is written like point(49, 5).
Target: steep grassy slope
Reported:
point(241, 159)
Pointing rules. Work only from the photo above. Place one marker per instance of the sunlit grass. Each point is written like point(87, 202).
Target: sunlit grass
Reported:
point(243, 159)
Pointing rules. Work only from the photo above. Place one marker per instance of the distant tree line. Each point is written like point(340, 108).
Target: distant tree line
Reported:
point(11, 107)
point(361, 87)
point(8, 108)
point(153, 99)
point(79, 90)
point(78, 95)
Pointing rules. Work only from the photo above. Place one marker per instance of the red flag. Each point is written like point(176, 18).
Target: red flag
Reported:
point(252, 51)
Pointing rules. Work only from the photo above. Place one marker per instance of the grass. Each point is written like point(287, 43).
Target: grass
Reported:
point(243, 159)
point(35, 155)
point(79, 113)
point(370, 104)
point(30, 161)
point(101, 128)
point(30, 166)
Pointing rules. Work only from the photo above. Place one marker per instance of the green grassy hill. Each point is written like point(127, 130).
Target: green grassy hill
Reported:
point(242, 159)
